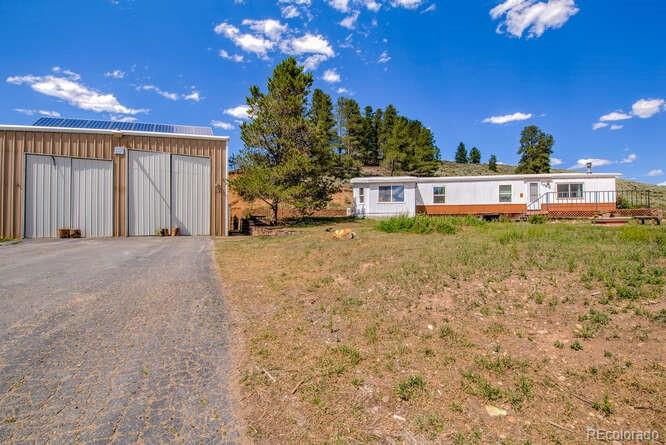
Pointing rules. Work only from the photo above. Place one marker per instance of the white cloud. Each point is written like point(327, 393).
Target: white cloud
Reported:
point(68, 73)
point(596, 162)
point(222, 125)
point(290, 12)
point(154, 89)
point(194, 96)
point(615, 116)
point(630, 158)
point(247, 42)
point(656, 172)
point(331, 76)
point(372, 5)
point(343, 90)
point(598, 125)
point(233, 57)
point(30, 112)
point(271, 28)
point(616, 127)
point(239, 112)
point(431, 8)
point(532, 16)
point(311, 63)
point(555, 161)
point(662, 183)
point(340, 5)
point(308, 44)
point(384, 57)
point(408, 4)
point(349, 22)
point(74, 93)
point(504, 119)
point(115, 74)
point(645, 108)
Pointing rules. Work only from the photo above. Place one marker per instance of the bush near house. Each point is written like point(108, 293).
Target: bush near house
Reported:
point(394, 337)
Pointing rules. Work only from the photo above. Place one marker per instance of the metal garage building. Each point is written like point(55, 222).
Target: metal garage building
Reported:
point(111, 179)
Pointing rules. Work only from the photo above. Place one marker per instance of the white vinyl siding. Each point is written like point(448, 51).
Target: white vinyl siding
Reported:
point(505, 193)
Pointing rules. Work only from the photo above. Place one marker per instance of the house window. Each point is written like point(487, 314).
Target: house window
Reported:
point(565, 191)
point(361, 195)
point(505, 193)
point(391, 193)
point(439, 195)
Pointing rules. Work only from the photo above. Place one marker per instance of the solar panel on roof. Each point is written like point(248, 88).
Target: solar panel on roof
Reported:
point(124, 126)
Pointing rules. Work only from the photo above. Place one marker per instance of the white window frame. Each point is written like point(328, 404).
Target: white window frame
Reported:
point(361, 195)
point(436, 195)
point(567, 194)
point(390, 187)
point(505, 194)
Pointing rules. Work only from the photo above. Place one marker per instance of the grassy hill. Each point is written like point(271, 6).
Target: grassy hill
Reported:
point(450, 168)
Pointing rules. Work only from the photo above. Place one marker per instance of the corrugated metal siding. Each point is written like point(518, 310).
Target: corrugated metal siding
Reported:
point(15, 144)
point(190, 199)
point(149, 191)
point(47, 195)
point(92, 197)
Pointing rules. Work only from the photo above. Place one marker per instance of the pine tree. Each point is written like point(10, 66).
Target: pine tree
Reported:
point(370, 144)
point(535, 150)
point(324, 135)
point(492, 163)
point(388, 120)
point(276, 164)
point(396, 146)
point(474, 156)
point(378, 128)
point(461, 154)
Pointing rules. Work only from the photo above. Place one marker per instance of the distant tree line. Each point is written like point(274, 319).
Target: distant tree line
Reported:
point(474, 157)
point(384, 138)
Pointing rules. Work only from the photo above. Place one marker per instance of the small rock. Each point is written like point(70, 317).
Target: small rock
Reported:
point(397, 417)
point(385, 399)
point(431, 327)
point(493, 411)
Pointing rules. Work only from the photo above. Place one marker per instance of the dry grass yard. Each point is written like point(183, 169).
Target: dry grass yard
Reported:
point(483, 333)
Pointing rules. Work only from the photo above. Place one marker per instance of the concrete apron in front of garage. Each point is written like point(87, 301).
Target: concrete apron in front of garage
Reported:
point(113, 340)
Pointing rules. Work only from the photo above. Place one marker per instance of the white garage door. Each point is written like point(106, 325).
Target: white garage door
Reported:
point(149, 192)
point(190, 194)
point(63, 192)
point(92, 197)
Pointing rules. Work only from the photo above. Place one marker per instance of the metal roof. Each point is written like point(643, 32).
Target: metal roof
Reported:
point(123, 126)
point(541, 176)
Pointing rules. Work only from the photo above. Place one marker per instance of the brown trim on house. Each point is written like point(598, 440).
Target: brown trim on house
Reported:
point(472, 209)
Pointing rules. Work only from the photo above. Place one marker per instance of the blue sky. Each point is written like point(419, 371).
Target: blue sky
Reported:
point(472, 71)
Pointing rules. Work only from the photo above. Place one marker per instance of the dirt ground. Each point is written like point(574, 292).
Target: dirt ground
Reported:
point(498, 333)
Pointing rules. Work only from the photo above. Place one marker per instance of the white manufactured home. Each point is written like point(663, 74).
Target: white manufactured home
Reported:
point(383, 196)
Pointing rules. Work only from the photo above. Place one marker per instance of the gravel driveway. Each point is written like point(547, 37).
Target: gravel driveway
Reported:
point(113, 340)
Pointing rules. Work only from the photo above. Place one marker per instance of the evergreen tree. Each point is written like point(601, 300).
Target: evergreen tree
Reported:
point(388, 120)
point(461, 154)
point(396, 146)
point(350, 128)
point(474, 156)
point(492, 163)
point(276, 164)
point(378, 128)
point(535, 150)
point(370, 143)
point(324, 135)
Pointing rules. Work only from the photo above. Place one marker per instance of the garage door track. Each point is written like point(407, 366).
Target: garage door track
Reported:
point(114, 340)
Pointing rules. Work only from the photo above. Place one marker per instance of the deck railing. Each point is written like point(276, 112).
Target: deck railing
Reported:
point(592, 200)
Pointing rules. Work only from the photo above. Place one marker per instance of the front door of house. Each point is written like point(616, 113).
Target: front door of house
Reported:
point(534, 203)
